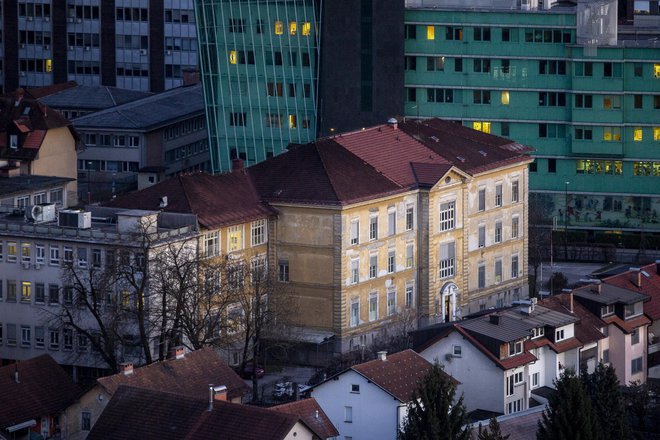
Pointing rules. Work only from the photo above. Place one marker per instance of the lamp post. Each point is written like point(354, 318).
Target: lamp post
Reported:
point(566, 220)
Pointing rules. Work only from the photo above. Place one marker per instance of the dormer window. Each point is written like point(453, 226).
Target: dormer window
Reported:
point(515, 347)
point(607, 310)
point(632, 310)
point(13, 141)
point(538, 332)
point(559, 335)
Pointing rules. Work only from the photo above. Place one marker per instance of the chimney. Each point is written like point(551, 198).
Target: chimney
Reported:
point(316, 414)
point(657, 267)
point(495, 319)
point(217, 393)
point(177, 352)
point(636, 276)
point(597, 287)
point(16, 373)
point(570, 300)
point(126, 368)
point(236, 164)
point(392, 122)
point(382, 355)
point(190, 77)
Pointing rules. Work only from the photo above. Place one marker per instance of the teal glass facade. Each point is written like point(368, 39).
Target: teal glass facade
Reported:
point(258, 61)
point(592, 112)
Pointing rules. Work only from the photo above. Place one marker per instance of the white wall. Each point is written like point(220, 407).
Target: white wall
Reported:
point(374, 410)
point(482, 382)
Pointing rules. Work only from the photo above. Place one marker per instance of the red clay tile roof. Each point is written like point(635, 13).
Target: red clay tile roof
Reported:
point(149, 414)
point(469, 150)
point(44, 389)
point(312, 414)
point(649, 286)
point(390, 151)
point(587, 330)
point(189, 376)
point(34, 139)
point(427, 175)
point(217, 200)
point(398, 375)
point(321, 173)
point(628, 325)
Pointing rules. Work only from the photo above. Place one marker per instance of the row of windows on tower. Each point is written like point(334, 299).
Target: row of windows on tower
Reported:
point(271, 58)
point(239, 25)
point(87, 12)
point(272, 120)
point(484, 33)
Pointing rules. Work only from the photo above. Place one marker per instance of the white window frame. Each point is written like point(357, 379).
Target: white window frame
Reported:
point(447, 216)
point(498, 195)
point(391, 260)
point(391, 301)
point(355, 270)
point(410, 294)
point(515, 259)
point(373, 266)
point(373, 311)
point(499, 270)
point(355, 232)
point(560, 335)
point(410, 255)
point(212, 244)
point(373, 227)
point(515, 191)
point(40, 253)
point(258, 232)
point(410, 217)
point(354, 313)
point(232, 232)
point(391, 221)
point(447, 259)
point(498, 232)
point(515, 226)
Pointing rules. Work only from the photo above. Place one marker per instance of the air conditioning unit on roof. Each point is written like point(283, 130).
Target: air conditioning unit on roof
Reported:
point(72, 218)
point(41, 213)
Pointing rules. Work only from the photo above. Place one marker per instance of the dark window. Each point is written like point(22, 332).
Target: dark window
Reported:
point(506, 34)
point(504, 128)
point(639, 99)
point(532, 167)
point(552, 165)
point(458, 64)
point(411, 31)
point(411, 93)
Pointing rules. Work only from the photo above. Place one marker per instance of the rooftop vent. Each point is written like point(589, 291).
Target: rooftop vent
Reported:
point(461, 158)
point(392, 122)
point(435, 139)
point(483, 153)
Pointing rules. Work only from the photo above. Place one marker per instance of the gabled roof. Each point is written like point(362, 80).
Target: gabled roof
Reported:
point(148, 113)
point(506, 363)
point(43, 389)
point(321, 173)
point(587, 330)
point(467, 149)
point(506, 330)
point(650, 285)
point(189, 376)
point(217, 200)
point(312, 414)
point(399, 374)
point(390, 151)
point(150, 414)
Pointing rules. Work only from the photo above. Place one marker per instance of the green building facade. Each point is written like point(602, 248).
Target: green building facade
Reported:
point(589, 104)
point(258, 63)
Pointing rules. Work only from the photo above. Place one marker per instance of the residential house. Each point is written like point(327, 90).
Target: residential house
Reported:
point(517, 426)
point(425, 219)
point(157, 136)
point(167, 415)
point(500, 358)
point(184, 374)
point(34, 394)
point(370, 400)
point(37, 141)
point(622, 310)
point(312, 414)
point(649, 284)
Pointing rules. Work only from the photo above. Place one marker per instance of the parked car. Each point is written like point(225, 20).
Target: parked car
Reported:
point(248, 371)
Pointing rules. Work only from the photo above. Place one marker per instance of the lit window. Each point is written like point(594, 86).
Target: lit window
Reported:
point(481, 126)
point(232, 57)
point(293, 28)
point(637, 134)
point(49, 65)
point(656, 70)
point(279, 27)
point(656, 133)
point(306, 28)
point(430, 33)
point(612, 134)
point(292, 121)
point(235, 237)
point(505, 97)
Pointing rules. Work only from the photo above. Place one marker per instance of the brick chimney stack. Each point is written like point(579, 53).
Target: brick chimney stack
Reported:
point(636, 276)
point(126, 368)
point(177, 352)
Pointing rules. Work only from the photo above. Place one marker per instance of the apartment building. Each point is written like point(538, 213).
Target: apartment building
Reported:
point(576, 80)
point(35, 249)
point(276, 73)
point(141, 45)
point(143, 141)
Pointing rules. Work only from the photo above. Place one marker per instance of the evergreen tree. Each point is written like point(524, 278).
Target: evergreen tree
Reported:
point(492, 431)
point(568, 415)
point(432, 412)
point(607, 403)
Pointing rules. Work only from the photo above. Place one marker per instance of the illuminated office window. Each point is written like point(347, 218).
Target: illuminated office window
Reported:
point(306, 28)
point(505, 97)
point(279, 27)
point(430, 32)
point(293, 28)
